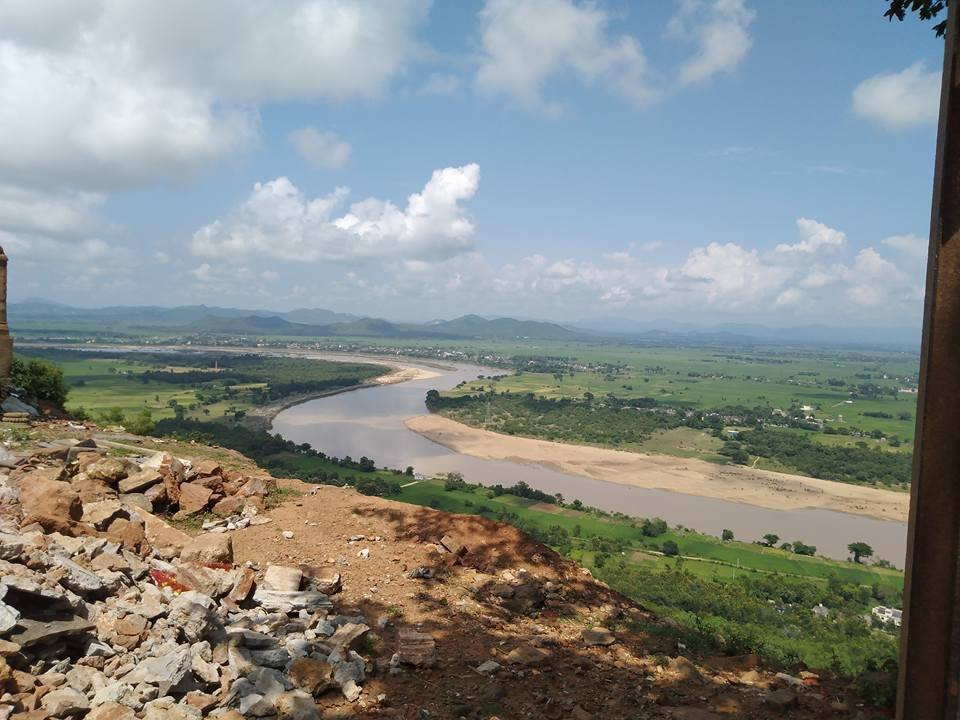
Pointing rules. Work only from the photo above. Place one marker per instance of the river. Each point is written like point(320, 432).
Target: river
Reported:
point(370, 422)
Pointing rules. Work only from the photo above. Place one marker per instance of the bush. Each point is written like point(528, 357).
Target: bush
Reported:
point(41, 379)
point(142, 424)
point(670, 548)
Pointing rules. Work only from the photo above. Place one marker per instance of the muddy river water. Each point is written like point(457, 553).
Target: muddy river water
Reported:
point(370, 422)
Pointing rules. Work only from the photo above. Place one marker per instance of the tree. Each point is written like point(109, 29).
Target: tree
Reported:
point(41, 379)
point(142, 424)
point(926, 9)
point(770, 539)
point(859, 550)
point(670, 548)
point(726, 535)
point(801, 548)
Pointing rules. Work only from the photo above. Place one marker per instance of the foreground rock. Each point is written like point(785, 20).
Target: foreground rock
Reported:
point(108, 612)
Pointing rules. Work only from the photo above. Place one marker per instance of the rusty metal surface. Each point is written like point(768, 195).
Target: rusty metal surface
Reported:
point(930, 641)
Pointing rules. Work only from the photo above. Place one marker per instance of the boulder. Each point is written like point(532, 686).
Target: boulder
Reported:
point(350, 635)
point(129, 534)
point(230, 505)
point(111, 711)
point(257, 486)
point(168, 672)
point(597, 636)
point(281, 577)
point(209, 548)
point(192, 613)
point(313, 675)
point(52, 504)
point(109, 470)
point(140, 481)
point(296, 705)
point(290, 601)
point(63, 702)
point(91, 490)
point(207, 468)
point(164, 538)
point(416, 648)
point(9, 616)
point(453, 544)
point(101, 514)
point(193, 499)
point(527, 654)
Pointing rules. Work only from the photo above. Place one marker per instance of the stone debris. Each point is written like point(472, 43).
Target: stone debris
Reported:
point(598, 636)
point(107, 612)
point(416, 648)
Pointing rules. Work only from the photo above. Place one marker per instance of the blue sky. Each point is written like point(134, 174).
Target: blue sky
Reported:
point(693, 160)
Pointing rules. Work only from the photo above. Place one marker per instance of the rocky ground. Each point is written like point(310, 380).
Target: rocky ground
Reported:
point(141, 579)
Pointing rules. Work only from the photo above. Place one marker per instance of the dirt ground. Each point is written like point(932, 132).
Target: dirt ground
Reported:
point(638, 676)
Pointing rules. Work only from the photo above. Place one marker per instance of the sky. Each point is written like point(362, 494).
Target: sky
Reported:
point(692, 160)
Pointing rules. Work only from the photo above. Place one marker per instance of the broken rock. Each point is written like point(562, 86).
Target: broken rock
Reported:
point(208, 548)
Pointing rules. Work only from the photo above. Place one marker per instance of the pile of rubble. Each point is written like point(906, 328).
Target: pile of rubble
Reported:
point(110, 613)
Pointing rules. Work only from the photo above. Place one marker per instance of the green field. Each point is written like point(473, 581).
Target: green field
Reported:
point(115, 385)
point(722, 557)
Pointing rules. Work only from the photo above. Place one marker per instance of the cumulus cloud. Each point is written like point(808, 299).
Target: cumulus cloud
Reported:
point(872, 279)
point(911, 245)
point(713, 280)
point(529, 42)
point(720, 30)
point(278, 220)
point(321, 149)
point(900, 100)
point(104, 95)
point(60, 214)
point(729, 274)
point(816, 237)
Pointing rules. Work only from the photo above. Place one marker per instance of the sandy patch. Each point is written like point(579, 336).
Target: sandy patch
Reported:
point(763, 488)
point(401, 374)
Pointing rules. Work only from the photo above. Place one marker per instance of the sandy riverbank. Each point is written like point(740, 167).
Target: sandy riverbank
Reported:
point(763, 488)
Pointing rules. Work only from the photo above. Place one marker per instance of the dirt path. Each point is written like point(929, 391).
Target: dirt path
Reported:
point(763, 488)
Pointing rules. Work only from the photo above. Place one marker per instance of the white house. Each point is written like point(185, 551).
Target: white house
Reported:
point(887, 615)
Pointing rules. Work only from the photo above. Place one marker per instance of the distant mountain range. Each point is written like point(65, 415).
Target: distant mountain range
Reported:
point(38, 315)
point(35, 316)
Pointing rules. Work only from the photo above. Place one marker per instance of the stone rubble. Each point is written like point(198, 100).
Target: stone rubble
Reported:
point(107, 612)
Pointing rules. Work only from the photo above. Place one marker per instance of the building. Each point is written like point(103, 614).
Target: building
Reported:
point(887, 615)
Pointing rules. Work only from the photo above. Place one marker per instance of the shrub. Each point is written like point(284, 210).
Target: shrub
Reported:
point(41, 379)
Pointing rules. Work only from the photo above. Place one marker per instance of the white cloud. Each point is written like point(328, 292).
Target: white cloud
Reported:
point(61, 214)
point(720, 30)
point(321, 149)
point(86, 263)
point(729, 274)
point(103, 95)
point(816, 237)
point(873, 279)
point(900, 100)
point(441, 84)
point(529, 42)
point(911, 245)
point(277, 220)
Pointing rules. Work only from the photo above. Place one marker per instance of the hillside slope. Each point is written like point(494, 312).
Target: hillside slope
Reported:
point(316, 601)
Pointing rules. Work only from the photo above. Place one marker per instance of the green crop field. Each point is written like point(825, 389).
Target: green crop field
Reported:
point(121, 385)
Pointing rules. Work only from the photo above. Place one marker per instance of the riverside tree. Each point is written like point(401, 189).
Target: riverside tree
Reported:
point(859, 550)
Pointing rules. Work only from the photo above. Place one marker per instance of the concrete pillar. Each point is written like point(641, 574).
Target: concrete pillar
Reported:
point(6, 343)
